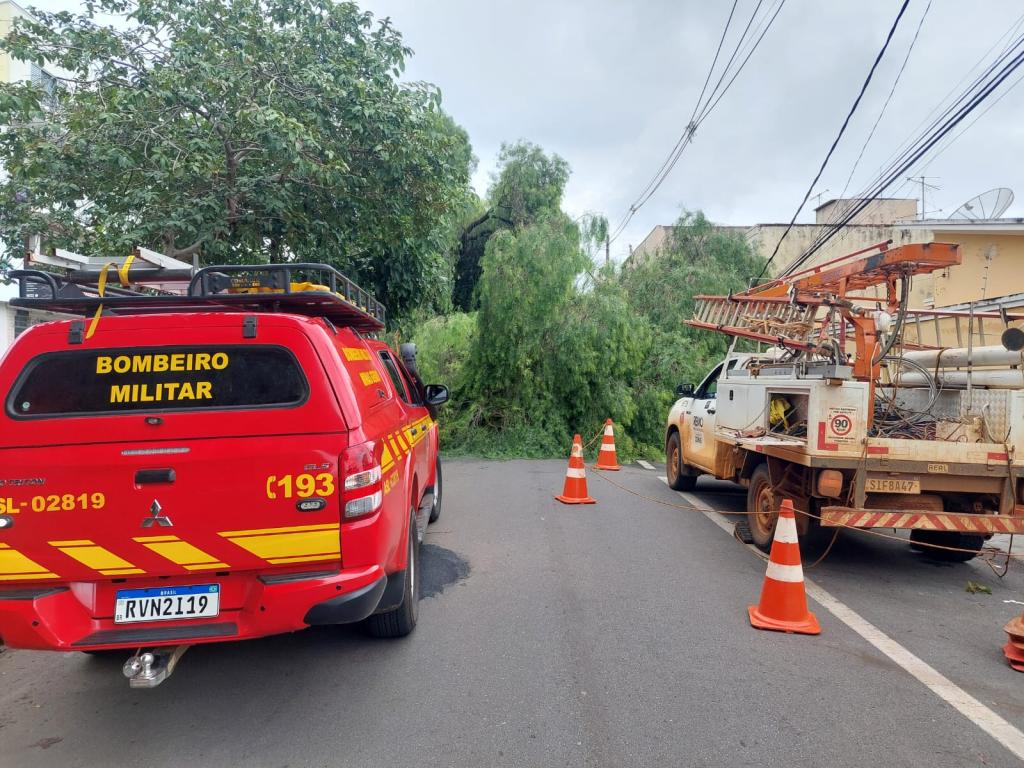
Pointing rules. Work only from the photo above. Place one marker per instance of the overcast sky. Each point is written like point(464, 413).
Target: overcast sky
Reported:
point(610, 87)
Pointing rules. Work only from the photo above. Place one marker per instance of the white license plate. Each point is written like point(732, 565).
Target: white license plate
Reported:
point(892, 485)
point(166, 603)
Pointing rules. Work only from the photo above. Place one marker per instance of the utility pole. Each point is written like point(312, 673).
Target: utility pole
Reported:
point(607, 250)
point(923, 180)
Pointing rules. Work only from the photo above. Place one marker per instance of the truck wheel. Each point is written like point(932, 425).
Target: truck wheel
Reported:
point(677, 474)
point(762, 508)
point(435, 508)
point(956, 539)
point(400, 621)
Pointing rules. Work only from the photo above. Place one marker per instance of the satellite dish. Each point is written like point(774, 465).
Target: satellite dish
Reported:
point(988, 205)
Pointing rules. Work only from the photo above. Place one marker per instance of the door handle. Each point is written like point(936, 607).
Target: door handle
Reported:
point(154, 476)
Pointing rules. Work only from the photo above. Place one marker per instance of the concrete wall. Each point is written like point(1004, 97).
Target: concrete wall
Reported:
point(992, 266)
point(882, 211)
point(11, 70)
point(11, 323)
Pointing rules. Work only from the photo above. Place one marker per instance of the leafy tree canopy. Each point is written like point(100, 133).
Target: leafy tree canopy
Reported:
point(239, 130)
point(528, 183)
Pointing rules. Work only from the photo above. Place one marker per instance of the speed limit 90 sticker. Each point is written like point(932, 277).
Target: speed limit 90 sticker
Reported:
point(837, 428)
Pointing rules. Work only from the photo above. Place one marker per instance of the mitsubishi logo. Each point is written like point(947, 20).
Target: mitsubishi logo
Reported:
point(156, 518)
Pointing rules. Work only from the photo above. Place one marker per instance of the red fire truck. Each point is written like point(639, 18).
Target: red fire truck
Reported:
point(208, 455)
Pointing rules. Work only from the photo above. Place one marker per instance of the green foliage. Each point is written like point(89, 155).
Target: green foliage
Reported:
point(444, 344)
point(241, 130)
point(550, 353)
point(698, 259)
point(527, 185)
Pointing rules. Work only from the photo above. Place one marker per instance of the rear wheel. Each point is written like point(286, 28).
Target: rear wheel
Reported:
point(762, 508)
point(400, 621)
point(435, 508)
point(677, 473)
point(960, 541)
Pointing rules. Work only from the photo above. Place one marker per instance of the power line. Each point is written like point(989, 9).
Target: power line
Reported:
point(704, 106)
point(839, 136)
point(888, 98)
point(907, 145)
point(893, 170)
point(920, 149)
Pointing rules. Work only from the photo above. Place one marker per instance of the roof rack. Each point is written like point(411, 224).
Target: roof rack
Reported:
point(150, 283)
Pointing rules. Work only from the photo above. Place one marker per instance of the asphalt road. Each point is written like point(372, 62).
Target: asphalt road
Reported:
point(606, 635)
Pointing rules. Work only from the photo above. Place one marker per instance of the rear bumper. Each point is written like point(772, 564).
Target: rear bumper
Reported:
point(65, 618)
point(922, 520)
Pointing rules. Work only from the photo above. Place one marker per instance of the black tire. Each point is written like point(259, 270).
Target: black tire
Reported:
point(400, 621)
point(435, 508)
point(762, 508)
point(679, 476)
point(967, 541)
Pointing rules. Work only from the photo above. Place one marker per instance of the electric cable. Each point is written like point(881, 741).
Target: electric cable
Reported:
point(839, 136)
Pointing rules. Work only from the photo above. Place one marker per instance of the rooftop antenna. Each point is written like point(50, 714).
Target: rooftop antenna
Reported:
point(923, 180)
point(987, 205)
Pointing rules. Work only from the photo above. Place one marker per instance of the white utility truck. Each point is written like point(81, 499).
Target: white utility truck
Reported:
point(897, 433)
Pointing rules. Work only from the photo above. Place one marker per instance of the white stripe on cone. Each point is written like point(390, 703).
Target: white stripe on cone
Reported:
point(794, 574)
point(608, 431)
point(785, 530)
point(608, 447)
point(576, 450)
point(573, 472)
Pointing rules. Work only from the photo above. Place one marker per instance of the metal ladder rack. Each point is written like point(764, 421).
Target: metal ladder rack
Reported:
point(147, 282)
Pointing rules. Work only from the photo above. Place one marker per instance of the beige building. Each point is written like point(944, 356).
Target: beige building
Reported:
point(880, 221)
point(990, 276)
point(13, 70)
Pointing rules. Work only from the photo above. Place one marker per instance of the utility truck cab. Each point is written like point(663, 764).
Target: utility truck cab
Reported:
point(235, 460)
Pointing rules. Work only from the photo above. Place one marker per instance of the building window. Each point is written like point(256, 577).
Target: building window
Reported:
point(43, 79)
point(21, 321)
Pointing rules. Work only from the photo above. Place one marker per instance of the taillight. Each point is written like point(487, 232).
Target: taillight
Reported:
point(362, 493)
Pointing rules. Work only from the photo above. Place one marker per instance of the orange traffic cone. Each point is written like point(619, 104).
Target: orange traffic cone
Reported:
point(575, 491)
point(606, 458)
point(783, 605)
point(1014, 648)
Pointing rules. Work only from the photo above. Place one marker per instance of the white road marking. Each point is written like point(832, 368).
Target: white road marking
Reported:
point(644, 464)
point(968, 706)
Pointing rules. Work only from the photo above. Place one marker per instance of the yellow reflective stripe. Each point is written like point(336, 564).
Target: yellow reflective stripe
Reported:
point(14, 565)
point(27, 576)
point(94, 556)
point(295, 544)
point(286, 529)
point(304, 558)
point(146, 539)
point(180, 552)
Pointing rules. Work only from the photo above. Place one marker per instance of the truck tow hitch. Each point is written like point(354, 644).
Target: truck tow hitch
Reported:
point(149, 669)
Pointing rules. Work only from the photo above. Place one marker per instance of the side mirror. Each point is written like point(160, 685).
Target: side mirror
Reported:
point(436, 394)
point(685, 390)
